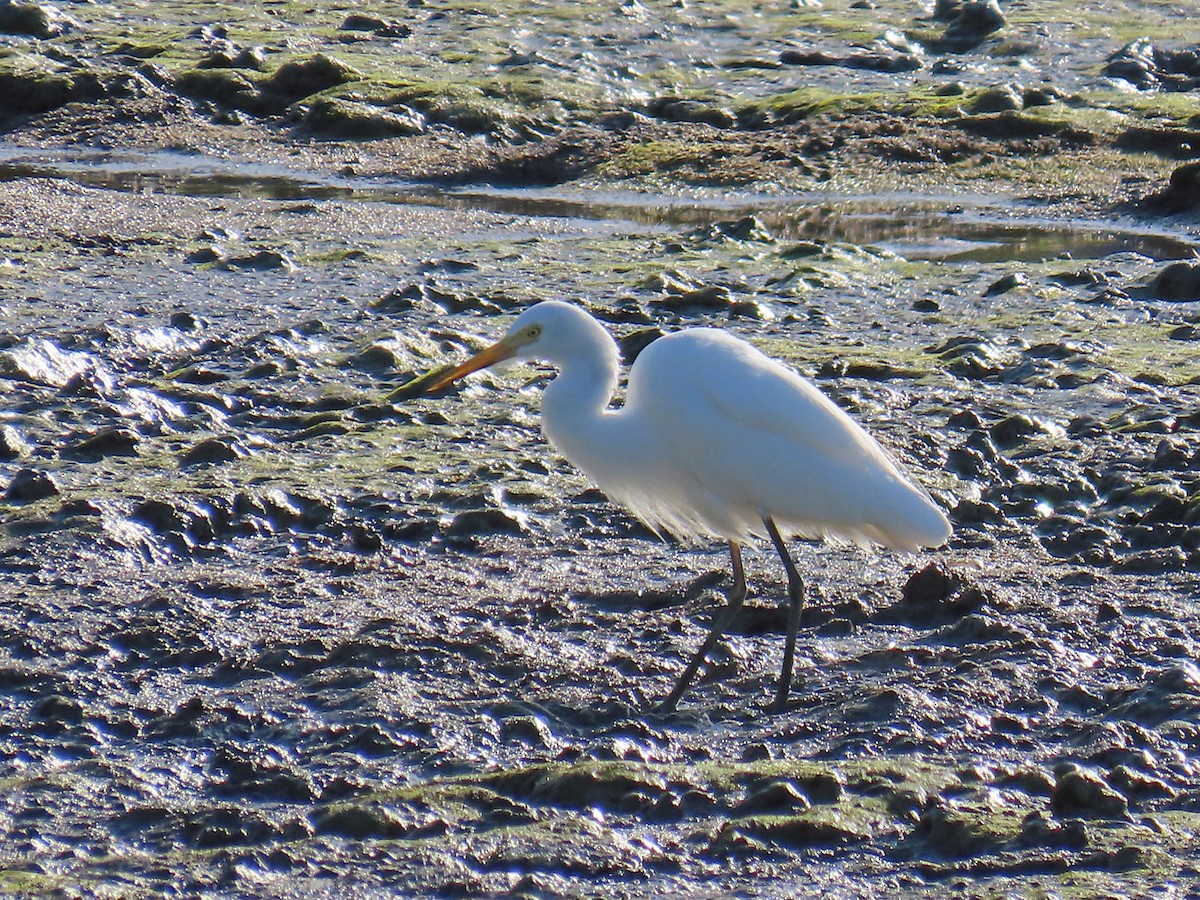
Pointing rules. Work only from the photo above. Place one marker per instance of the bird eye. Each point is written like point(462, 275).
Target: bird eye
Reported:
point(534, 332)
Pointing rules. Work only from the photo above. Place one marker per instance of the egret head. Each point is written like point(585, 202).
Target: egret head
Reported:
point(547, 331)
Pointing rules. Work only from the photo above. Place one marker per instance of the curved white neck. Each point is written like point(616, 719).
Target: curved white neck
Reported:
point(575, 404)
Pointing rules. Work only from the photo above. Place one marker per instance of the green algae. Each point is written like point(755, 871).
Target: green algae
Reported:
point(916, 809)
point(21, 883)
point(652, 157)
point(457, 73)
point(806, 102)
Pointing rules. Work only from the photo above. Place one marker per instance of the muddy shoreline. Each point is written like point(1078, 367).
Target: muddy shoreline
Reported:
point(266, 634)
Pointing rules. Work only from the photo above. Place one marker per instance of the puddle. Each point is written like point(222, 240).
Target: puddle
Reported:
point(979, 229)
point(175, 173)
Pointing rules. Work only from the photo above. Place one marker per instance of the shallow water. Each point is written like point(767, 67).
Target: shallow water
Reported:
point(951, 228)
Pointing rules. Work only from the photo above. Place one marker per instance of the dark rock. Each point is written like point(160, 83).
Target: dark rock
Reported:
point(449, 264)
point(540, 163)
point(1085, 276)
point(199, 375)
point(378, 27)
point(218, 85)
point(527, 729)
point(184, 321)
point(1138, 785)
point(159, 517)
point(881, 60)
point(29, 485)
point(79, 508)
point(1182, 193)
point(1046, 95)
point(997, 99)
point(1179, 282)
point(303, 78)
point(823, 787)
point(935, 596)
point(946, 10)
point(1169, 454)
point(632, 344)
point(581, 787)
point(1007, 283)
point(107, 442)
point(965, 418)
point(12, 444)
point(422, 295)
point(757, 752)
point(776, 796)
point(1012, 125)
point(1061, 350)
point(363, 539)
point(212, 451)
point(283, 509)
point(798, 57)
point(343, 118)
point(1134, 63)
point(1184, 333)
point(207, 254)
point(1039, 830)
point(1014, 429)
point(261, 261)
point(1146, 66)
point(675, 110)
point(1078, 542)
point(874, 371)
point(1169, 142)
point(1085, 794)
point(802, 249)
point(802, 832)
point(974, 21)
point(1035, 781)
point(24, 93)
point(266, 369)
point(950, 89)
point(975, 358)
point(361, 821)
point(949, 833)
point(253, 58)
point(711, 297)
point(226, 828)
point(319, 429)
point(747, 228)
point(33, 19)
point(484, 521)
point(59, 709)
point(377, 358)
point(259, 775)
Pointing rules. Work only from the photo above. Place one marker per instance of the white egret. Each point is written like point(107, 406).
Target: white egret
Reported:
point(715, 440)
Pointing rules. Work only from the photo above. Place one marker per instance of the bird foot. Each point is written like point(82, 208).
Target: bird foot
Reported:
point(664, 707)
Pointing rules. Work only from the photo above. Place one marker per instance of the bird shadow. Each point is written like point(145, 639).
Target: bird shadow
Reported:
point(628, 600)
point(765, 614)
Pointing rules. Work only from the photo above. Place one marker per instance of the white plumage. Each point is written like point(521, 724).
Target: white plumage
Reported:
point(715, 439)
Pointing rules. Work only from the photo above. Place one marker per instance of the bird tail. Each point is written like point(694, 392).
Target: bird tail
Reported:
point(911, 521)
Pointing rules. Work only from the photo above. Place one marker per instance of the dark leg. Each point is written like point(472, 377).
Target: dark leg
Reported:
point(796, 601)
point(737, 593)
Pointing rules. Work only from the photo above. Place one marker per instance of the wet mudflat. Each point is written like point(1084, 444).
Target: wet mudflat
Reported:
point(265, 634)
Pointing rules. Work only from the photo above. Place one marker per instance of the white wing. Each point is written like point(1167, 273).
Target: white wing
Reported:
point(750, 438)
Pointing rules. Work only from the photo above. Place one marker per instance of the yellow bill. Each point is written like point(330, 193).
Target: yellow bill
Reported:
point(444, 375)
